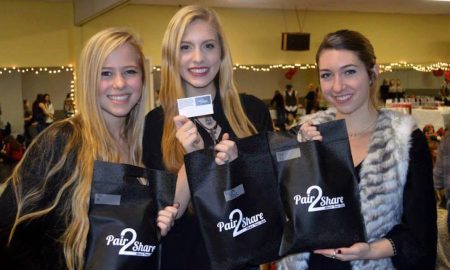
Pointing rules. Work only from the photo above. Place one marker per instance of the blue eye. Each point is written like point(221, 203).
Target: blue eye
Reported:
point(184, 47)
point(210, 45)
point(131, 71)
point(106, 73)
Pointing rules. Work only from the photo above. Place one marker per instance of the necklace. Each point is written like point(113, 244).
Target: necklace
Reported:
point(364, 131)
point(211, 131)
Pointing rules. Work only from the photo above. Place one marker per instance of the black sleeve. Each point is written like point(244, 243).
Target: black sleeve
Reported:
point(257, 112)
point(151, 145)
point(415, 237)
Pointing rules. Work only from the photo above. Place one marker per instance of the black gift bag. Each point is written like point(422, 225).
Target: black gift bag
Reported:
point(124, 204)
point(319, 190)
point(238, 205)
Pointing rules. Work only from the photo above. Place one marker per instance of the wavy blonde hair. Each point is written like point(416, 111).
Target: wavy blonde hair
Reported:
point(172, 89)
point(87, 139)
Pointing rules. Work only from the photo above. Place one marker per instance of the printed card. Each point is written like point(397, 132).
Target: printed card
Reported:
point(195, 106)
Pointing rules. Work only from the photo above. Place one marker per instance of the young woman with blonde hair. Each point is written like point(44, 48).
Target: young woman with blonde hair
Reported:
point(44, 209)
point(196, 60)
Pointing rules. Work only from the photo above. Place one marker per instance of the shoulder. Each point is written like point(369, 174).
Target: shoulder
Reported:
point(252, 102)
point(320, 116)
point(155, 116)
point(403, 124)
point(59, 132)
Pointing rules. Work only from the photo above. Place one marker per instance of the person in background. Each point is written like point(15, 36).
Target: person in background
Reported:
point(441, 173)
point(310, 98)
point(384, 91)
point(441, 170)
point(50, 110)
point(27, 122)
point(39, 113)
point(12, 150)
point(391, 159)
point(69, 107)
point(290, 100)
point(44, 206)
point(277, 102)
point(196, 60)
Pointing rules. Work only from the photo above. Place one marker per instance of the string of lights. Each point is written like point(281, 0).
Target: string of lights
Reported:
point(383, 67)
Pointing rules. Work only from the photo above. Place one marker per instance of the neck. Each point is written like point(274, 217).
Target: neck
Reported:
point(193, 91)
point(360, 122)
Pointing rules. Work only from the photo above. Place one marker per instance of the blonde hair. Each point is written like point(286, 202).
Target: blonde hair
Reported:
point(172, 89)
point(86, 139)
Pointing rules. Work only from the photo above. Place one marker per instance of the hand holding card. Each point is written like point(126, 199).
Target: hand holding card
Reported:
point(195, 106)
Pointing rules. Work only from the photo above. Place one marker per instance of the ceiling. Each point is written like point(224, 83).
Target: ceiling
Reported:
point(435, 7)
point(383, 6)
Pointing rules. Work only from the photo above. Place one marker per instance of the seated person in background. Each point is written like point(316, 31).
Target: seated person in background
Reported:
point(12, 150)
point(441, 176)
point(432, 140)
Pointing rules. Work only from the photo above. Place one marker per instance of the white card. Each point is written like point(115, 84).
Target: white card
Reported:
point(195, 106)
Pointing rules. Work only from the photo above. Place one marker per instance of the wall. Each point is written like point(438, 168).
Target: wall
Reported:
point(11, 100)
point(38, 34)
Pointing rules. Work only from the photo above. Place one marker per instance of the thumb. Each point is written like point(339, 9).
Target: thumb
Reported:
point(225, 136)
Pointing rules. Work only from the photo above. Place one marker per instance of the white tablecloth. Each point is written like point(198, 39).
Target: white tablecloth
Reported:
point(439, 118)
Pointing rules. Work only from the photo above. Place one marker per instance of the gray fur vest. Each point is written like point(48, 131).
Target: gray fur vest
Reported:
point(383, 176)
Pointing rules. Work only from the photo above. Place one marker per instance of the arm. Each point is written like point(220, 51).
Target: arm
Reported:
point(187, 134)
point(412, 243)
point(415, 237)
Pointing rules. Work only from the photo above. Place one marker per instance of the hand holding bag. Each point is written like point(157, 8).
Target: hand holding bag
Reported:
point(237, 204)
point(122, 216)
point(319, 190)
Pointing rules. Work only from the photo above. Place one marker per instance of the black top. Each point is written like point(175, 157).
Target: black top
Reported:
point(278, 100)
point(415, 248)
point(183, 247)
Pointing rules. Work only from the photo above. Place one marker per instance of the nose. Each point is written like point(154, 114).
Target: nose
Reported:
point(338, 84)
point(197, 56)
point(118, 81)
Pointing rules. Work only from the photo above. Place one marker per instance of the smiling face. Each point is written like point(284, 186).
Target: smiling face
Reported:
point(120, 83)
point(344, 81)
point(200, 58)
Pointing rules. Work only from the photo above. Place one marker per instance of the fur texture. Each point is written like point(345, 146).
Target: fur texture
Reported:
point(383, 176)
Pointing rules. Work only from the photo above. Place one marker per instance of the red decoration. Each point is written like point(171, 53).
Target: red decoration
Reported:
point(438, 72)
point(290, 73)
point(447, 75)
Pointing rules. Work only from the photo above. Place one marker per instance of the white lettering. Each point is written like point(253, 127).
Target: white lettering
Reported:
point(319, 202)
point(241, 224)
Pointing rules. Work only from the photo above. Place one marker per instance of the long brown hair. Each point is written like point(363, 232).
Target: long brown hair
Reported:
point(361, 46)
point(172, 89)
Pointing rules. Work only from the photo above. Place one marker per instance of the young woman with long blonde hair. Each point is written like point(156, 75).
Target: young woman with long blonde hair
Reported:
point(196, 60)
point(44, 209)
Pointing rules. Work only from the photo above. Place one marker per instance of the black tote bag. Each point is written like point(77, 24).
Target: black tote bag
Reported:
point(122, 216)
point(237, 204)
point(319, 190)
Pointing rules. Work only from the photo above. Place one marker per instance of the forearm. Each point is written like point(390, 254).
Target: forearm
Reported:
point(182, 192)
point(381, 248)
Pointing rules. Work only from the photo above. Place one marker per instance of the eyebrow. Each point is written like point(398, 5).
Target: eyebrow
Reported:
point(208, 40)
point(343, 67)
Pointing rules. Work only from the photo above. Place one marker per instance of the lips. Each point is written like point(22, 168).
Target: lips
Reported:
point(119, 98)
point(343, 98)
point(199, 71)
